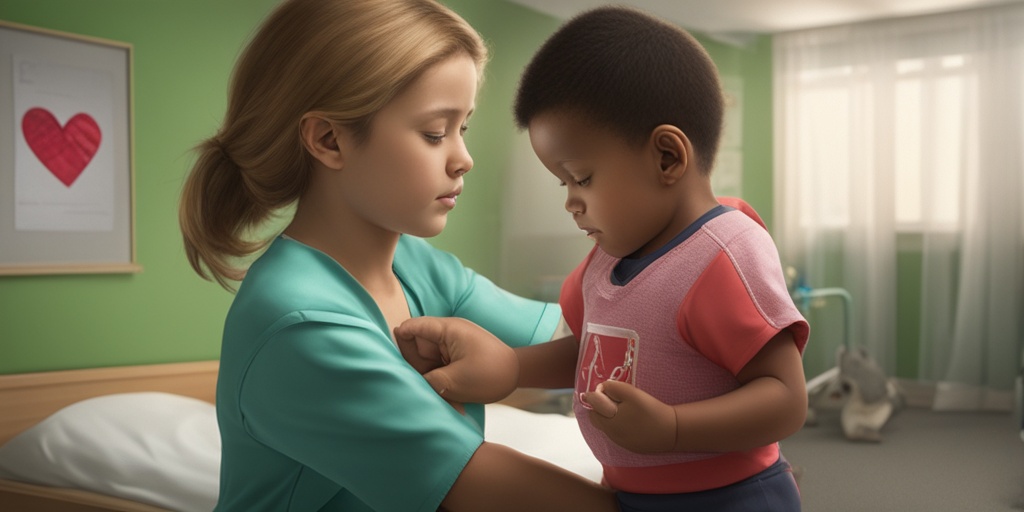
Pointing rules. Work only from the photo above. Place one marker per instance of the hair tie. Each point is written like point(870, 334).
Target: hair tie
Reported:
point(216, 142)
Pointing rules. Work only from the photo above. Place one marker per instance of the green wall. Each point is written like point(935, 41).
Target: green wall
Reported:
point(753, 64)
point(183, 54)
point(183, 51)
point(512, 33)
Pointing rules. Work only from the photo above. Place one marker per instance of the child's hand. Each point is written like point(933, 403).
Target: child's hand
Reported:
point(463, 362)
point(632, 418)
point(421, 354)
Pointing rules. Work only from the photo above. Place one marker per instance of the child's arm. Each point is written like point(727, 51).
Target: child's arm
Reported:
point(471, 365)
point(461, 360)
point(550, 365)
point(770, 405)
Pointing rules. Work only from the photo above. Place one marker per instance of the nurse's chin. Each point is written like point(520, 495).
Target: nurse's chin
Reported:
point(429, 231)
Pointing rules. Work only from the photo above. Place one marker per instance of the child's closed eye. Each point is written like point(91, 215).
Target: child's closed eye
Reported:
point(579, 183)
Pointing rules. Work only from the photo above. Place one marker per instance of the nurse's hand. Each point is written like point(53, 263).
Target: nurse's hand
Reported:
point(461, 360)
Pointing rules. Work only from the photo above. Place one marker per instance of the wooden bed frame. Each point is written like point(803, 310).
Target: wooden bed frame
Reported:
point(27, 399)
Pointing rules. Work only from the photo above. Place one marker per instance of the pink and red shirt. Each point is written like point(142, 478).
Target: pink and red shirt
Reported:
point(681, 329)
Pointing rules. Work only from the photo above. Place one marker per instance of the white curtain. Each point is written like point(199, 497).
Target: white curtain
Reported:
point(905, 136)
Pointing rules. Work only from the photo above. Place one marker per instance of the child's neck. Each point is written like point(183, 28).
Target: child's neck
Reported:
point(696, 199)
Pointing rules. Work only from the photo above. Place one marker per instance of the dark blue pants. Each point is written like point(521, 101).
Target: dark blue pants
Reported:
point(772, 490)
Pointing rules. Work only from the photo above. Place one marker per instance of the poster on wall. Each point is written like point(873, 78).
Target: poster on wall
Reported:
point(66, 167)
point(63, 169)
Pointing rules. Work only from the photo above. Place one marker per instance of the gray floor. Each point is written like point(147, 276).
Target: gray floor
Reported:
point(927, 461)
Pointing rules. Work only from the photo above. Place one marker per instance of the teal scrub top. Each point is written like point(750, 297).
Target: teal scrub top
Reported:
point(316, 406)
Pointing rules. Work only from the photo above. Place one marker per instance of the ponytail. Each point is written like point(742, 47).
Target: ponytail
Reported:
point(216, 210)
point(339, 58)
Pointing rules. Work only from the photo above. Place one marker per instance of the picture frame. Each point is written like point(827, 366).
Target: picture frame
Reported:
point(67, 199)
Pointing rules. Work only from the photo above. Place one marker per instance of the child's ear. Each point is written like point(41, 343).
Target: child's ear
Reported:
point(320, 138)
point(674, 152)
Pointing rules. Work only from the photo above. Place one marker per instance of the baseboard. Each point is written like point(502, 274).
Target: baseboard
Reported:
point(922, 394)
point(917, 393)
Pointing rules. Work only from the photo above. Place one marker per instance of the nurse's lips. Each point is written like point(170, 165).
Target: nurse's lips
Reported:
point(449, 199)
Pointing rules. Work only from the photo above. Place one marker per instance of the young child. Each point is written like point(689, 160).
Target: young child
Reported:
point(686, 354)
point(354, 112)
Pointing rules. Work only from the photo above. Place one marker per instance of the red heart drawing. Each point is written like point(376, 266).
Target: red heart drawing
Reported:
point(66, 150)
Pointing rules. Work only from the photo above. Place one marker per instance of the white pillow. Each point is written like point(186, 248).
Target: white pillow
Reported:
point(164, 449)
point(552, 437)
point(155, 448)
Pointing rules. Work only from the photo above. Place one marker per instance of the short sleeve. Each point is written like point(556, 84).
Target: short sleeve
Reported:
point(442, 286)
point(744, 207)
point(365, 420)
point(729, 317)
point(516, 320)
point(571, 297)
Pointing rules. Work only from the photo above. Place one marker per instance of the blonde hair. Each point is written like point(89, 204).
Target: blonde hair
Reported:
point(344, 58)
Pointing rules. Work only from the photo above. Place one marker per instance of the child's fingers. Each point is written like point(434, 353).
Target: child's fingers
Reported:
point(601, 403)
point(639, 422)
point(458, 406)
point(422, 355)
point(427, 328)
point(616, 391)
point(441, 382)
point(466, 363)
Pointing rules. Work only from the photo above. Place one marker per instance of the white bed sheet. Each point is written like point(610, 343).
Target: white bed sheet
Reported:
point(164, 449)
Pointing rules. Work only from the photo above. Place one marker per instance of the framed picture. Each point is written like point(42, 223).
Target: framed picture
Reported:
point(67, 202)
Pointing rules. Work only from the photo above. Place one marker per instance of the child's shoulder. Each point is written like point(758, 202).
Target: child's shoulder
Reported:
point(743, 206)
point(736, 229)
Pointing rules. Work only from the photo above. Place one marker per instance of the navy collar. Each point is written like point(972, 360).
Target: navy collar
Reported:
point(627, 268)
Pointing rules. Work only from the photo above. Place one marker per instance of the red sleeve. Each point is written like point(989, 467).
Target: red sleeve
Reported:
point(571, 298)
point(721, 319)
point(742, 206)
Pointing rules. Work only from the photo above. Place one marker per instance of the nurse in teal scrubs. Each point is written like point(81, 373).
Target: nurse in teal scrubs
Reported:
point(354, 112)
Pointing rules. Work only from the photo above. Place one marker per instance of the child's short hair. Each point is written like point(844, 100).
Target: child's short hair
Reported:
point(628, 72)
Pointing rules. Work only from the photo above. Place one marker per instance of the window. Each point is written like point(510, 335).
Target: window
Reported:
point(934, 140)
point(927, 106)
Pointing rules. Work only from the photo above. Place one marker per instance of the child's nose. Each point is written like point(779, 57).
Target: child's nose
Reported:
point(574, 206)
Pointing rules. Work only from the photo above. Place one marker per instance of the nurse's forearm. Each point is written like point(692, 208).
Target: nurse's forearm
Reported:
point(498, 478)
